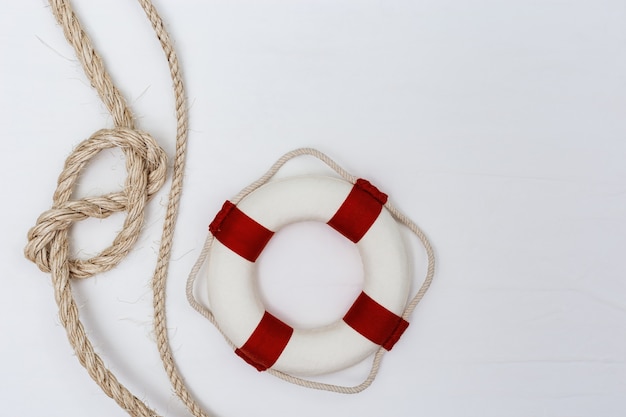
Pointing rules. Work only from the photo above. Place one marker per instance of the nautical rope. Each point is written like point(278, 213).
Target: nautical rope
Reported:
point(146, 164)
point(204, 257)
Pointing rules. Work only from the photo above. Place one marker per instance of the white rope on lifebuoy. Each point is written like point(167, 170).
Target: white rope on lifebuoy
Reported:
point(238, 235)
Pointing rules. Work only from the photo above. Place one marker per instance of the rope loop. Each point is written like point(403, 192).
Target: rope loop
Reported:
point(48, 241)
point(146, 165)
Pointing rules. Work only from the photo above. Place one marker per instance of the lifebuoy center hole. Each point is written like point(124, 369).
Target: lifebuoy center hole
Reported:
point(309, 274)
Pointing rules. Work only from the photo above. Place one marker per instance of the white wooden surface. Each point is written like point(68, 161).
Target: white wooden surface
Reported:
point(498, 126)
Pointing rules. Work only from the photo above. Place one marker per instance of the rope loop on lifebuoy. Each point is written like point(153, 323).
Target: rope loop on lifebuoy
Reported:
point(267, 339)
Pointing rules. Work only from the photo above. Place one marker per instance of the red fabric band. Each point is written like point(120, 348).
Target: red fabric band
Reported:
point(359, 210)
point(375, 322)
point(240, 233)
point(266, 343)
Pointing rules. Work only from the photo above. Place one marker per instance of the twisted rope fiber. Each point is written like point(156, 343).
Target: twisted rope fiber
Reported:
point(397, 214)
point(146, 164)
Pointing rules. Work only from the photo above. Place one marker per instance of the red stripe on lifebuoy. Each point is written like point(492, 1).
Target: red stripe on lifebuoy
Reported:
point(359, 210)
point(266, 343)
point(240, 233)
point(375, 322)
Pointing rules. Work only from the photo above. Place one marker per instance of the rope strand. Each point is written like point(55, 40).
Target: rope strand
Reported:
point(146, 164)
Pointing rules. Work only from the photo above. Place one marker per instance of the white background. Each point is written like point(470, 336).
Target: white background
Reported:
point(498, 126)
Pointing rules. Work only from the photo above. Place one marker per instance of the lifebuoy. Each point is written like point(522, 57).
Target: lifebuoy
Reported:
point(241, 232)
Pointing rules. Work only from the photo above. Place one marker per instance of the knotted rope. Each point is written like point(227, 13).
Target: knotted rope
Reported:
point(146, 164)
point(48, 244)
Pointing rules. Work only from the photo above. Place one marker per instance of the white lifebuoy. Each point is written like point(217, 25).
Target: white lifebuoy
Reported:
point(241, 232)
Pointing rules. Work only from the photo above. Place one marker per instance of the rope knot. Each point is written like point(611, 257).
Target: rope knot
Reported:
point(146, 165)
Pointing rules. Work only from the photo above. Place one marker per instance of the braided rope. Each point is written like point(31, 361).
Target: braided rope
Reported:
point(204, 257)
point(146, 164)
